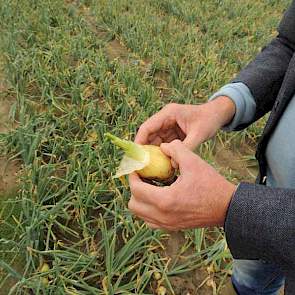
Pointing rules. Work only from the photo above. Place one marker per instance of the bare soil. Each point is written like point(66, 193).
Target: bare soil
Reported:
point(189, 283)
point(5, 105)
point(9, 171)
point(5, 122)
point(236, 159)
point(161, 79)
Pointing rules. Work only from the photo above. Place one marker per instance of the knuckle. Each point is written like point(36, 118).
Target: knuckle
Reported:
point(171, 106)
point(176, 141)
point(162, 204)
point(170, 204)
point(132, 189)
point(135, 190)
point(143, 127)
point(131, 204)
point(166, 205)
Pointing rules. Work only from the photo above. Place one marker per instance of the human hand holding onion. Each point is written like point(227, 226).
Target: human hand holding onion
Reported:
point(199, 197)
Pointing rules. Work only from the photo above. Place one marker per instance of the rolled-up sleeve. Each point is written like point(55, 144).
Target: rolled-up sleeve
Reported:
point(245, 104)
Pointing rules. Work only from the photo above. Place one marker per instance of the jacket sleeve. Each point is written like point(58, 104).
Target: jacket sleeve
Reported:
point(260, 224)
point(265, 74)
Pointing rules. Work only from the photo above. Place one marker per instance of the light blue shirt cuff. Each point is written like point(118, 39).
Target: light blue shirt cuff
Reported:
point(240, 94)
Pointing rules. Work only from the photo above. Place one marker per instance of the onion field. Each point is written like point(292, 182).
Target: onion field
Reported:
point(70, 71)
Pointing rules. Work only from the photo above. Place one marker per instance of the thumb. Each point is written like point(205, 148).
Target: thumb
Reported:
point(178, 152)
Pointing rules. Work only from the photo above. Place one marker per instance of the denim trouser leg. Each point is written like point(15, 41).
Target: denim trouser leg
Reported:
point(256, 277)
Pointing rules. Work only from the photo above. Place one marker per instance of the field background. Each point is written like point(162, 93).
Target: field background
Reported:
point(71, 71)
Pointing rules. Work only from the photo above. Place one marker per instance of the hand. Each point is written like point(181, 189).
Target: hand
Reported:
point(199, 197)
point(192, 124)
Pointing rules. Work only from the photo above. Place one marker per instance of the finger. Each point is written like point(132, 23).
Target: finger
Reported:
point(150, 215)
point(178, 152)
point(156, 141)
point(144, 211)
point(152, 125)
point(143, 191)
point(158, 225)
point(180, 133)
point(192, 140)
point(171, 138)
point(162, 227)
point(168, 132)
point(163, 136)
point(164, 118)
point(168, 135)
point(151, 137)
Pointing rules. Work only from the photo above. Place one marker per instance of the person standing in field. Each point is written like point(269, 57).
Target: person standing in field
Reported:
point(259, 219)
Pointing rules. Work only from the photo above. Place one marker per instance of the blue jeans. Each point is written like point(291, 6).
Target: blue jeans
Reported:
point(255, 277)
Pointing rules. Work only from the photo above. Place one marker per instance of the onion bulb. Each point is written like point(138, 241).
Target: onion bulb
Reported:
point(147, 160)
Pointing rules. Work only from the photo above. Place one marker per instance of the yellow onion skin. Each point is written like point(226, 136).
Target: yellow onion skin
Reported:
point(159, 167)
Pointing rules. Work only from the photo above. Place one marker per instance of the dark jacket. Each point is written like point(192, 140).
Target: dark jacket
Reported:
point(260, 222)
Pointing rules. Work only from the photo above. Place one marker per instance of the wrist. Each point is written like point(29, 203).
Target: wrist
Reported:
point(224, 109)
